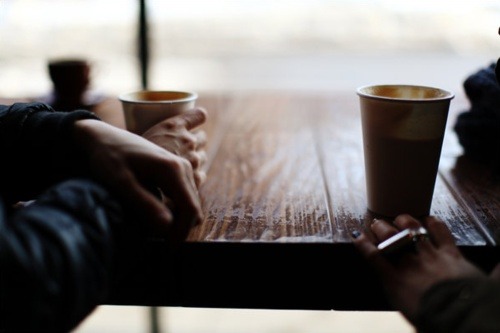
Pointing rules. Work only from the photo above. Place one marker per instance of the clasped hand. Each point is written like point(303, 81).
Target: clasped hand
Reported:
point(168, 158)
point(178, 135)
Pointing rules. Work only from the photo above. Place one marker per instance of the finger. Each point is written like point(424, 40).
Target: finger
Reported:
point(439, 232)
point(194, 158)
point(382, 229)
point(202, 155)
point(201, 139)
point(135, 194)
point(176, 180)
point(200, 177)
point(370, 251)
point(192, 118)
point(189, 140)
point(192, 140)
point(405, 221)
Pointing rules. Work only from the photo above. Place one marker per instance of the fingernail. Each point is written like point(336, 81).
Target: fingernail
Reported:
point(355, 234)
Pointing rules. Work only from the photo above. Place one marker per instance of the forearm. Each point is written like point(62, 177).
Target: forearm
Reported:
point(461, 306)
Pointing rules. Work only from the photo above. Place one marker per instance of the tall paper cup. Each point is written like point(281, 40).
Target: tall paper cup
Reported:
point(403, 130)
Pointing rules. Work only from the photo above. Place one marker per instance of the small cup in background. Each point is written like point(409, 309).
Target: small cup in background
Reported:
point(70, 79)
point(143, 109)
point(403, 130)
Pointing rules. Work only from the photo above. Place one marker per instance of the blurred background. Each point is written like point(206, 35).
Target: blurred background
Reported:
point(213, 45)
point(245, 45)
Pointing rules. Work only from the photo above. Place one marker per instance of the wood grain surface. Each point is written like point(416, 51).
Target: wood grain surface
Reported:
point(286, 167)
point(285, 188)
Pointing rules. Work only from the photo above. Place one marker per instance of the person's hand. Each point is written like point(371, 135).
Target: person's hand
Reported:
point(177, 136)
point(129, 165)
point(409, 275)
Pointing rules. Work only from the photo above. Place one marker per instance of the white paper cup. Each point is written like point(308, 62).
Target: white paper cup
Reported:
point(403, 130)
point(145, 108)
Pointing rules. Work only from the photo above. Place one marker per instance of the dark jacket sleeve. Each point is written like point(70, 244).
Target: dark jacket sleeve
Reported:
point(56, 253)
point(56, 258)
point(461, 306)
point(37, 149)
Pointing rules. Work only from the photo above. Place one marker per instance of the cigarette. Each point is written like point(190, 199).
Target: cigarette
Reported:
point(402, 239)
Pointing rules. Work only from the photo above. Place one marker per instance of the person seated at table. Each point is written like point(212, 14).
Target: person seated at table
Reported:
point(434, 286)
point(70, 185)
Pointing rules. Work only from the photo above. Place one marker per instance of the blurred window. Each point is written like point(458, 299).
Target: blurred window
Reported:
point(198, 37)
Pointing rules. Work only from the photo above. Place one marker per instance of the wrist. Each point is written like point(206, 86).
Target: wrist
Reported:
point(85, 131)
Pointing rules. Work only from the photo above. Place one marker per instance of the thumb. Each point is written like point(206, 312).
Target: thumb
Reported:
point(193, 118)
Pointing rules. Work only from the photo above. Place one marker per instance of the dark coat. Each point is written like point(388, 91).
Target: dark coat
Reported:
point(56, 253)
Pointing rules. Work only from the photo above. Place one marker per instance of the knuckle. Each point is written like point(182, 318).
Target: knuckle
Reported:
point(170, 124)
point(189, 140)
point(194, 159)
point(202, 156)
point(181, 164)
point(173, 163)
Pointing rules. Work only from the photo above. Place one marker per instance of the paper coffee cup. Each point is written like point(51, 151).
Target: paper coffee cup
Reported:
point(403, 130)
point(144, 109)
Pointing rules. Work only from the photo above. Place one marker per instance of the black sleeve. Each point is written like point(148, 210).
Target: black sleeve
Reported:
point(478, 128)
point(37, 149)
point(461, 306)
point(56, 257)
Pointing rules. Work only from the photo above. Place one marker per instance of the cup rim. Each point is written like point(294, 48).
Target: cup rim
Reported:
point(445, 94)
point(190, 96)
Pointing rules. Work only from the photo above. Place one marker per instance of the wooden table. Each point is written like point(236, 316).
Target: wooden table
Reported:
point(285, 189)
